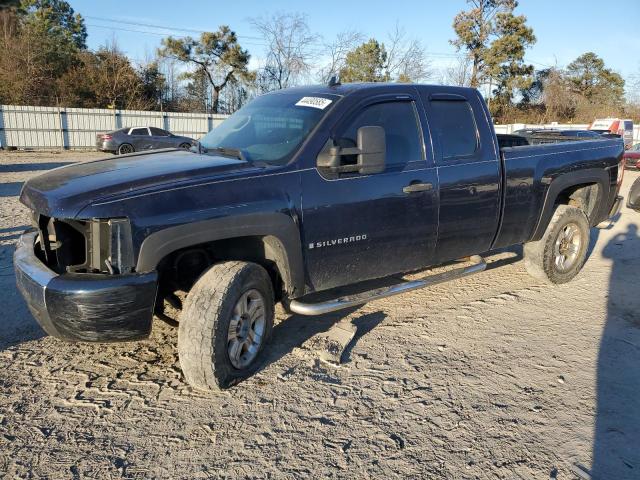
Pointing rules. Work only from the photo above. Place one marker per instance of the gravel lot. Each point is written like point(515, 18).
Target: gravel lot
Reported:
point(492, 376)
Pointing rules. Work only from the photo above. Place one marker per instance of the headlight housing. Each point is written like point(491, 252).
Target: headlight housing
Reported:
point(85, 246)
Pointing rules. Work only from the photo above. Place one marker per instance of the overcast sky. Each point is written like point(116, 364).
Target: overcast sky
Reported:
point(564, 28)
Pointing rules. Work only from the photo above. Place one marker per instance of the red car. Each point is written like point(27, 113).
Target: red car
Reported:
point(632, 157)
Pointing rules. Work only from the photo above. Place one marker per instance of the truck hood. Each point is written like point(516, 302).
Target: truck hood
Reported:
point(63, 192)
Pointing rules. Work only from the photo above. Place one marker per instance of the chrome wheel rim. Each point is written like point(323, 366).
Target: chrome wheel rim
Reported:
point(246, 329)
point(124, 149)
point(567, 247)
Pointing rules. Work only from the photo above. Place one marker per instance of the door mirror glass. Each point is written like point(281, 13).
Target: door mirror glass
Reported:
point(367, 157)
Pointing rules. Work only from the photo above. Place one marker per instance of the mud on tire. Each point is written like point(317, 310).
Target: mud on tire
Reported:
point(566, 236)
point(212, 307)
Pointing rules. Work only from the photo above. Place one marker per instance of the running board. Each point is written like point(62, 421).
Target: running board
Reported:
point(301, 308)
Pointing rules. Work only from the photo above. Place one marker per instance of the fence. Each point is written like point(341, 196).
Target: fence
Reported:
point(55, 128)
point(75, 128)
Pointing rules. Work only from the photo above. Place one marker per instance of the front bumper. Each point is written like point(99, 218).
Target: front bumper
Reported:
point(85, 307)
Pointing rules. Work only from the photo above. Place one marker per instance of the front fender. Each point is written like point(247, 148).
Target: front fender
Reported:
point(281, 232)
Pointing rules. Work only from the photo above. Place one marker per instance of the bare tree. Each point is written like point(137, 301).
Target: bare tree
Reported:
point(459, 73)
point(336, 53)
point(406, 58)
point(290, 49)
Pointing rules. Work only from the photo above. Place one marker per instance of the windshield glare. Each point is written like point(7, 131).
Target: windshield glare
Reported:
point(270, 128)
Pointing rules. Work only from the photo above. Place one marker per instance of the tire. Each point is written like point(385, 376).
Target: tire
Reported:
point(205, 343)
point(185, 146)
point(125, 148)
point(567, 235)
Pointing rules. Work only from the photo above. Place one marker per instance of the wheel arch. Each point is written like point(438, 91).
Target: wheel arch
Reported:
point(586, 189)
point(260, 238)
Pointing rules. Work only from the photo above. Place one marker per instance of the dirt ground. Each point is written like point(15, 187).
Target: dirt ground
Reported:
point(492, 376)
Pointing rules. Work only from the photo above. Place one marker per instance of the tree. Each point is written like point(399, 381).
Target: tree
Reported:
point(459, 73)
point(495, 40)
point(590, 79)
point(290, 49)
point(104, 79)
point(406, 59)
point(216, 55)
point(336, 53)
point(40, 41)
point(153, 83)
point(57, 20)
point(365, 63)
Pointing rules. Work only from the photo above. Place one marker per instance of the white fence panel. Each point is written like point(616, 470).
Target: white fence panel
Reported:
point(52, 128)
point(76, 128)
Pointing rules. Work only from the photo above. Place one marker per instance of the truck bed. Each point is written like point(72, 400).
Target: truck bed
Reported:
point(532, 171)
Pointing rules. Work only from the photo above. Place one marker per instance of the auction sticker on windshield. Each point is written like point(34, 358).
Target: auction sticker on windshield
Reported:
point(315, 102)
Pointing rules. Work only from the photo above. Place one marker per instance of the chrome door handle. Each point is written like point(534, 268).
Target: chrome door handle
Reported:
point(417, 187)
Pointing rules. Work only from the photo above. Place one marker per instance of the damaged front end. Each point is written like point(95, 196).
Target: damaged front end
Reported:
point(91, 246)
point(78, 279)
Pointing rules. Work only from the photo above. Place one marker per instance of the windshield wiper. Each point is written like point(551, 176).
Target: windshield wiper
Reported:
point(227, 152)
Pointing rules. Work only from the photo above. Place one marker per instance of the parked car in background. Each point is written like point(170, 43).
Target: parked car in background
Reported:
point(632, 156)
point(618, 126)
point(136, 139)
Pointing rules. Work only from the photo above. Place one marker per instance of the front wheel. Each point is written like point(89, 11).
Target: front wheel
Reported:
point(125, 148)
point(561, 252)
point(226, 321)
point(185, 146)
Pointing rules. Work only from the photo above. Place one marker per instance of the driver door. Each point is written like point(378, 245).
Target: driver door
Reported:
point(358, 227)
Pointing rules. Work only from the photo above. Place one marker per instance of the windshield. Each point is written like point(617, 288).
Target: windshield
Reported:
point(271, 127)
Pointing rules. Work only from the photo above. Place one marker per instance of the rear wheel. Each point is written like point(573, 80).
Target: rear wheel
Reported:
point(125, 148)
point(226, 322)
point(561, 252)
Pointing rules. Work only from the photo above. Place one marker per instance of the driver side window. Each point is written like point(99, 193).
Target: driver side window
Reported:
point(402, 134)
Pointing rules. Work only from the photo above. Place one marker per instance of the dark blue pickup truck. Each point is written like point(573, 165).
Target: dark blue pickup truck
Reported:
point(317, 197)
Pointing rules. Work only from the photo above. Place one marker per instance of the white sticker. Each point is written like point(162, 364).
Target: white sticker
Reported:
point(315, 102)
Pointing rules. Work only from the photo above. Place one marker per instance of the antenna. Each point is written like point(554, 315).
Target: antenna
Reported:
point(333, 81)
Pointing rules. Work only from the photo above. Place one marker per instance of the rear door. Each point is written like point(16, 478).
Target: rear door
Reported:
point(468, 167)
point(140, 138)
point(362, 226)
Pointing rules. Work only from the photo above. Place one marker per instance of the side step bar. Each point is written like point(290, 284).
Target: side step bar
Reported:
point(301, 308)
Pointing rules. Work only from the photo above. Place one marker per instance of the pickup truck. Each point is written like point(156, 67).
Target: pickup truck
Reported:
point(313, 197)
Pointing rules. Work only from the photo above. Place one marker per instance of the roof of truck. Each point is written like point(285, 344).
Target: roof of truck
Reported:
point(347, 88)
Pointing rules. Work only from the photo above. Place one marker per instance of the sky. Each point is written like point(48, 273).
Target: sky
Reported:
point(564, 28)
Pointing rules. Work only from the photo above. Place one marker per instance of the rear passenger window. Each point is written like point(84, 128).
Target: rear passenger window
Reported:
point(399, 121)
point(158, 132)
point(139, 131)
point(454, 125)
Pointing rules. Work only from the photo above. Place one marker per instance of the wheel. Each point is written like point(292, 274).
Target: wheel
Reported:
point(125, 148)
point(225, 323)
point(185, 146)
point(561, 252)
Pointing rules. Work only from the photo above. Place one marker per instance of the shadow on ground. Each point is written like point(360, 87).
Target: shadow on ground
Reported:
point(10, 189)
point(616, 452)
point(17, 324)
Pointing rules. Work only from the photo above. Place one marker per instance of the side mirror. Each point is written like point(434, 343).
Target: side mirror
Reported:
point(370, 151)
